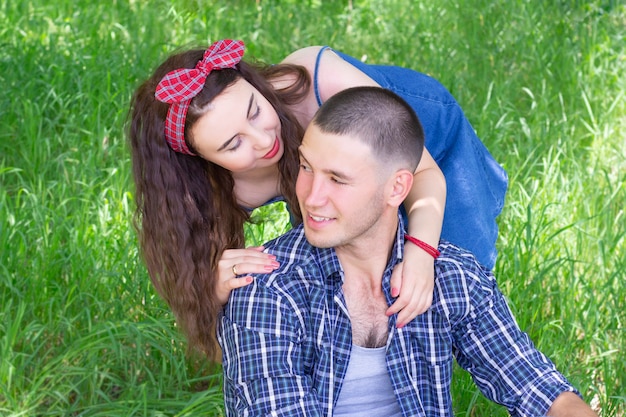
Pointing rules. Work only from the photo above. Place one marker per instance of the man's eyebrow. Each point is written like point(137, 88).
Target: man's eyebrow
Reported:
point(227, 143)
point(301, 155)
point(332, 172)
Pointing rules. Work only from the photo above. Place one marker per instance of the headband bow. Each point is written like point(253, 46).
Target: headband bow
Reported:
point(178, 87)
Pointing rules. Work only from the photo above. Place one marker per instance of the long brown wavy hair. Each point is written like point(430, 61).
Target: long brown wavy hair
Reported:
point(187, 213)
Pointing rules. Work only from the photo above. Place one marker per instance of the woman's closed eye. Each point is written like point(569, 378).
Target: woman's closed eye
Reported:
point(237, 140)
point(234, 145)
point(256, 113)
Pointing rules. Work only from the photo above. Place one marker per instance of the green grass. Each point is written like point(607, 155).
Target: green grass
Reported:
point(81, 329)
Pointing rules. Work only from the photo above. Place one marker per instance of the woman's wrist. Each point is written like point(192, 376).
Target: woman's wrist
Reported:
point(432, 251)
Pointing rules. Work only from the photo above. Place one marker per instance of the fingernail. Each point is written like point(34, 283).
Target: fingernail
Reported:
point(394, 292)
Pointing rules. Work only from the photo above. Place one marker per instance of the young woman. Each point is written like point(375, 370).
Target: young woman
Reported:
point(213, 137)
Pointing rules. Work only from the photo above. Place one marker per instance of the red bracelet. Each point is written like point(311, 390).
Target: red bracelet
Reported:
point(423, 245)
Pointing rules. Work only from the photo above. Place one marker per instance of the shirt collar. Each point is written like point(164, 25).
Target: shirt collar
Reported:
point(397, 254)
point(332, 270)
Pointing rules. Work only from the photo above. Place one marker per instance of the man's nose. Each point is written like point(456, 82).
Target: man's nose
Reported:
point(317, 195)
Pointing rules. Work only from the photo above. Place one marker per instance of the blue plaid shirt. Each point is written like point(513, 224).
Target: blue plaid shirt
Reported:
point(286, 339)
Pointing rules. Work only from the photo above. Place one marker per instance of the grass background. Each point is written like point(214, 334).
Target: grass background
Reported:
point(81, 329)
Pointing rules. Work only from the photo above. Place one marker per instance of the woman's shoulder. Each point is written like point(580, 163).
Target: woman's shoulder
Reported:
point(330, 72)
point(304, 56)
point(323, 57)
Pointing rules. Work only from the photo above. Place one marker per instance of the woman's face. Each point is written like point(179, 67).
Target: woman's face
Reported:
point(240, 130)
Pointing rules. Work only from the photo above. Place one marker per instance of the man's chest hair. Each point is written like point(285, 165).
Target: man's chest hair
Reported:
point(367, 317)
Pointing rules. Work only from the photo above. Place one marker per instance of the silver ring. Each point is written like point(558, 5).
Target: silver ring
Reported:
point(235, 270)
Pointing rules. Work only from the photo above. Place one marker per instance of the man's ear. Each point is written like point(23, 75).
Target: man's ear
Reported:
point(401, 183)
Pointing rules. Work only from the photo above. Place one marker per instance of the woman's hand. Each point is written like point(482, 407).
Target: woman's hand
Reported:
point(234, 267)
point(412, 282)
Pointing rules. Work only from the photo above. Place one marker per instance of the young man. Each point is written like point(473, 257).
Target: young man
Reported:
point(312, 338)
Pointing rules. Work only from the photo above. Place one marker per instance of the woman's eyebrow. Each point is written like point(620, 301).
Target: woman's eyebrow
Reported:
point(227, 143)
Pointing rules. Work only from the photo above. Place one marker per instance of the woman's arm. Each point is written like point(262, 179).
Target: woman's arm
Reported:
point(413, 280)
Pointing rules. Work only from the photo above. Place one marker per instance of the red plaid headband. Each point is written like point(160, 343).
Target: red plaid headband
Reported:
point(178, 87)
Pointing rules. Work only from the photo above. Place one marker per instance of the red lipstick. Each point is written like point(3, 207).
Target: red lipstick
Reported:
point(272, 153)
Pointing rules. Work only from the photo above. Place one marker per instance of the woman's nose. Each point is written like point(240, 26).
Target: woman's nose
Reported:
point(262, 139)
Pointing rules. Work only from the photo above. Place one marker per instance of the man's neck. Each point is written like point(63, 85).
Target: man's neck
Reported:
point(366, 258)
point(364, 264)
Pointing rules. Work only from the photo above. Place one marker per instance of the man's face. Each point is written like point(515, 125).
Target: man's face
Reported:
point(340, 196)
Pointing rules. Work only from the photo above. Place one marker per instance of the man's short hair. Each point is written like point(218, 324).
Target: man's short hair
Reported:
point(379, 118)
